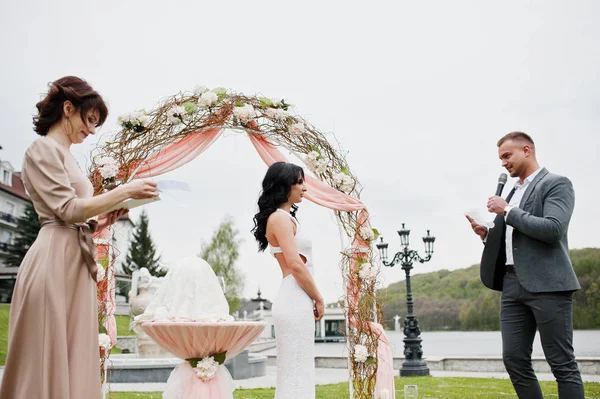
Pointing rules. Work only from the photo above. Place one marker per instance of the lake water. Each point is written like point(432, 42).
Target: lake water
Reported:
point(466, 343)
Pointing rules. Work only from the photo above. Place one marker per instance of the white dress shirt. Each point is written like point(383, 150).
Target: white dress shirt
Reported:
point(515, 201)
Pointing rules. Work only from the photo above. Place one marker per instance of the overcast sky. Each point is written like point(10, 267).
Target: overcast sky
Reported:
point(418, 93)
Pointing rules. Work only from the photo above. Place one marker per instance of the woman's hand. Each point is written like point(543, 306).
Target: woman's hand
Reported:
point(109, 219)
point(140, 189)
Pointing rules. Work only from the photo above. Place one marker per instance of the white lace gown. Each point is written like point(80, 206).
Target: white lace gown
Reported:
point(295, 330)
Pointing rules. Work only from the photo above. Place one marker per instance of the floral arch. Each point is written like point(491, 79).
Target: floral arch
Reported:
point(183, 126)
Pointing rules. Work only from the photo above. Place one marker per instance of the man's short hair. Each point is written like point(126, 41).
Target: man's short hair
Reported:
point(517, 136)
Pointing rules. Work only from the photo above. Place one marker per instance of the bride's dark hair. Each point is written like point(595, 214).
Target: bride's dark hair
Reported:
point(276, 188)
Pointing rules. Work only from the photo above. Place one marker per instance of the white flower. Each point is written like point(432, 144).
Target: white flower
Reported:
point(312, 156)
point(104, 341)
point(282, 115)
point(101, 273)
point(361, 353)
point(366, 233)
point(316, 163)
point(338, 178)
point(344, 182)
point(321, 165)
point(108, 168)
point(297, 129)
point(347, 184)
point(277, 114)
point(200, 89)
point(206, 368)
point(367, 272)
point(176, 114)
point(245, 114)
point(133, 120)
point(207, 99)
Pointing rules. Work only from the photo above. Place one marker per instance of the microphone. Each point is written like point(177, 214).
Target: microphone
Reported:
point(501, 182)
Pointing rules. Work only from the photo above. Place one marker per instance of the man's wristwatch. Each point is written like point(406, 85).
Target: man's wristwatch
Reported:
point(507, 208)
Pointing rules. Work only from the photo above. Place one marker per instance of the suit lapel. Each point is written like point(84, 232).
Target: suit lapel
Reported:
point(531, 186)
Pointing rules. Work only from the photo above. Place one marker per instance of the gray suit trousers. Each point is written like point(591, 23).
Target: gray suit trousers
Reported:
point(551, 312)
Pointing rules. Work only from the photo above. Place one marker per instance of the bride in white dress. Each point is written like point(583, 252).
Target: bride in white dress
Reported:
point(298, 303)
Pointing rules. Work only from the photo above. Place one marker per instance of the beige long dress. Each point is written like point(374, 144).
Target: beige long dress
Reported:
point(53, 328)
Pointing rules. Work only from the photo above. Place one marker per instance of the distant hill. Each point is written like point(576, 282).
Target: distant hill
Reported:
point(457, 300)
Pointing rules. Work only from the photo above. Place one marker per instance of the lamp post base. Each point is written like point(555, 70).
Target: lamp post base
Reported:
point(414, 365)
point(414, 369)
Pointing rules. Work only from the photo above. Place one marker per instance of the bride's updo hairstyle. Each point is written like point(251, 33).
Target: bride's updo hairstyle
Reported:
point(276, 188)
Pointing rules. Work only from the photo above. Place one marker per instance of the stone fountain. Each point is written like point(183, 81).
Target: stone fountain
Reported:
point(143, 288)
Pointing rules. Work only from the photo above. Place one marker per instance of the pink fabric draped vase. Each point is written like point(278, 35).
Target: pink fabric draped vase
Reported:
point(188, 340)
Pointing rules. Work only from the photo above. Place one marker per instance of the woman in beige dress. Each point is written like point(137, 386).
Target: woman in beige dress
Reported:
point(53, 329)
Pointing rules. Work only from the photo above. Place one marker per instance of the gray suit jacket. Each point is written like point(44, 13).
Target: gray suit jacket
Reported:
point(540, 247)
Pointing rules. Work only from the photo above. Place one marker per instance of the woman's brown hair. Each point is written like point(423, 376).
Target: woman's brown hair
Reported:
point(72, 89)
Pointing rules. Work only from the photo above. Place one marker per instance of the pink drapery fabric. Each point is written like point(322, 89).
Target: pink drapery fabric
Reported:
point(319, 192)
point(183, 383)
point(385, 365)
point(327, 196)
point(179, 153)
point(194, 339)
point(197, 340)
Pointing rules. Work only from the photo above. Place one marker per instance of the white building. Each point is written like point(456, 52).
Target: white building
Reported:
point(331, 327)
point(13, 200)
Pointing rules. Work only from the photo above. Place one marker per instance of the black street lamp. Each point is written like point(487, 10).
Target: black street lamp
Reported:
point(414, 365)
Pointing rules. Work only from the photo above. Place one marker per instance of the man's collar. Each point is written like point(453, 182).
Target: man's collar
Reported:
point(529, 178)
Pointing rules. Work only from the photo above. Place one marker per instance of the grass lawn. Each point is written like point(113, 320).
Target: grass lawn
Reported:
point(4, 311)
point(429, 387)
point(123, 325)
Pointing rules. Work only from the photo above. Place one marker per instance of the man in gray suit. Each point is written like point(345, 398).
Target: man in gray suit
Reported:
point(526, 256)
